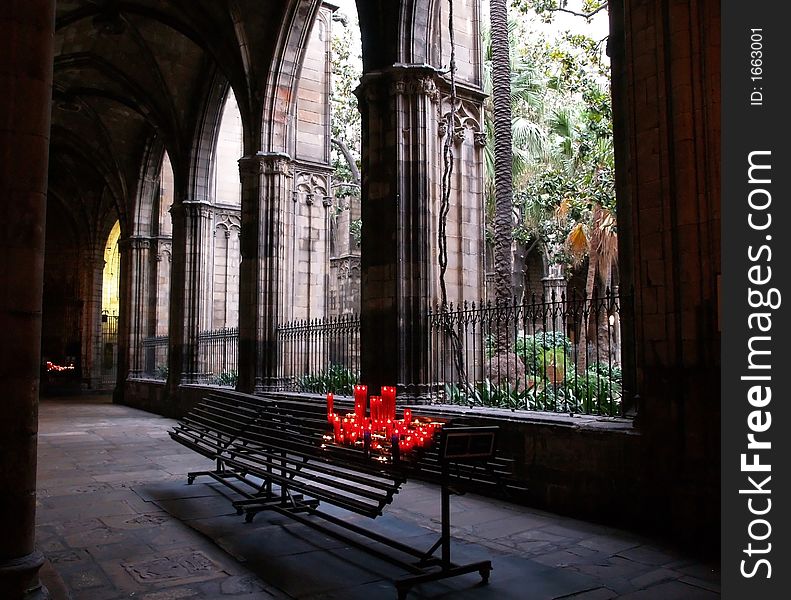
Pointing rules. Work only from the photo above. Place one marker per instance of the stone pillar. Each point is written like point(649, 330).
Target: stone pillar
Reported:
point(92, 275)
point(139, 263)
point(26, 48)
point(398, 106)
point(125, 299)
point(555, 288)
point(158, 303)
point(266, 186)
point(666, 108)
point(192, 240)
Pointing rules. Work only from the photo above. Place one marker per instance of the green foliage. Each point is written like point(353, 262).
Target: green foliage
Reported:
point(609, 371)
point(542, 348)
point(345, 122)
point(227, 378)
point(356, 230)
point(546, 9)
point(562, 129)
point(594, 393)
point(161, 372)
point(587, 393)
point(553, 383)
point(337, 379)
point(488, 394)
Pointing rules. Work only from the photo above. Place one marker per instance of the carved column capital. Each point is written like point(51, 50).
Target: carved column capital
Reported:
point(133, 243)
point(399, 80)
point(264, 164)
point(196, 208)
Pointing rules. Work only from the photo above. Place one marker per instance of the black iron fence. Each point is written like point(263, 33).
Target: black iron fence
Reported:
point(155, 357)
point(320, 355)
point(552, 354)
point(218, 356)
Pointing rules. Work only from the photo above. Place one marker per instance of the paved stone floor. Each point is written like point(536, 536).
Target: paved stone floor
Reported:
point(116, 520)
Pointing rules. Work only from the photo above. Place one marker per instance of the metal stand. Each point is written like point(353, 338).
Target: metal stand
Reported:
point(446, 567)
point(458, 445)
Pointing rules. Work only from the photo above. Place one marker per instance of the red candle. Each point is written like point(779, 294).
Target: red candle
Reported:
point(388, 397)
point(407, 416)
point(379, 406)
point(360, 400)
point(330, 403)
point(336, 425)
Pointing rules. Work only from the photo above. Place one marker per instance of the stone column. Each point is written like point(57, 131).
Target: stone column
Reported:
point(666, 108)
point(26, 45)
point(266, 186)
point(555, 290)
point(158, 302)
point(139, 249)
point(92, 275)
point(125, 299)
point(192, 240)
point(397, 106)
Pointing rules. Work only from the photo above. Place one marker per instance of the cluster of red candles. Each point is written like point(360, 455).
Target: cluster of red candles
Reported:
point(378, 430)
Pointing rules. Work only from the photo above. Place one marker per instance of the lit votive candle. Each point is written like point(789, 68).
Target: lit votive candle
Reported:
point(360, 400)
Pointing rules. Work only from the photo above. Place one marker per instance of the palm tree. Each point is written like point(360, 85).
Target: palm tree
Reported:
point(503, 177)
point(528, 132)
point(528, 144)
point(599, 241)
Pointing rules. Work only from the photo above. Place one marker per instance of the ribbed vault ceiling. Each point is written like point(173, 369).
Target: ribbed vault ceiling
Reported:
point(128, 72)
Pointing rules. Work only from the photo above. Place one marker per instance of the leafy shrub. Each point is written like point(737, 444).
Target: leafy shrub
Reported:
point(545, 354)
point(227, 378)
point(607, 370)
point(532, 349)
point(337, 379)
point(595, 393)
point(587, 393)
point(487, 393)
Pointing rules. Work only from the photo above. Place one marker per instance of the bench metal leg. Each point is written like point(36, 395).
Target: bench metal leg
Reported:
point(484, 568)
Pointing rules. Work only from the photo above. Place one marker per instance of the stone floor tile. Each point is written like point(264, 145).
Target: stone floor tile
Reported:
point(674, 590)
point(613, 567)
point(654, 577)
point(706, 584)
point(609, 544)
point(648, 555)
point(601, 593)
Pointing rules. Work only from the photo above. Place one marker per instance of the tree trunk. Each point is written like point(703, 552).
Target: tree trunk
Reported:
point(503, 184)
point(588, 309)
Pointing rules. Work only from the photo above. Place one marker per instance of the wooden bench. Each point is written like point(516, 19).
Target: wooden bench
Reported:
point(278, 455)
point(215, 422)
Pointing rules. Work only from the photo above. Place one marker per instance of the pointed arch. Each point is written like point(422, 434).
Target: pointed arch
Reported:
point(280, 96)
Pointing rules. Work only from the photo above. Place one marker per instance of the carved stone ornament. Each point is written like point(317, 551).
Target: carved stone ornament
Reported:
point(410, 84)
point(458, 135)
point(467, 115)
point(228, 222)
point(311, 186)
point(264, 164)
point(133, 243)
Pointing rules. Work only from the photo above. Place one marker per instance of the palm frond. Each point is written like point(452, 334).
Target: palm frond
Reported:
point(577, 243)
